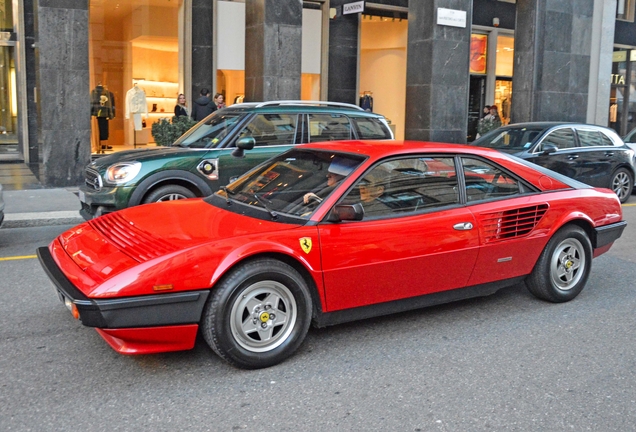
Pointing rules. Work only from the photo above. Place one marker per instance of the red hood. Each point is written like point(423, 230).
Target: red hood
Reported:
point(116, 242)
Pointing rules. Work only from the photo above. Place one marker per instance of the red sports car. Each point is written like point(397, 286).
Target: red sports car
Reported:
point(325, 234)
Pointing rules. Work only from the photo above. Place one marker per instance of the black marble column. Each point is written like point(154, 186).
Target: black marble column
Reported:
point(552, 60)
point(343, 55)
point(202, 47)
point(437, 74)
point(273, 45)
point(63, 90)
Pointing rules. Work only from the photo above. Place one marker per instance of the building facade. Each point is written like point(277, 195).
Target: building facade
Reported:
point(68, 67)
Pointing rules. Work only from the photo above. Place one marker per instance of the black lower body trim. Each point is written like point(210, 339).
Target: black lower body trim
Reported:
point(364, 312)
point(606, 234)
point(128, 312)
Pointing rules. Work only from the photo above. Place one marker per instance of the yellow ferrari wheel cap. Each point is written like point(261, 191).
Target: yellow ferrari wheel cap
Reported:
point(264, 317)
point(305, 244)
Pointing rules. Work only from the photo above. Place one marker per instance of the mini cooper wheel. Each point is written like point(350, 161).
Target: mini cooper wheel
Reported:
point(169, 193)
point(622, 184)
point(563, 267)
point(258, 315)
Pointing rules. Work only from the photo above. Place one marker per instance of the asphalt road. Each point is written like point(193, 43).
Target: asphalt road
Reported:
point(504, 362)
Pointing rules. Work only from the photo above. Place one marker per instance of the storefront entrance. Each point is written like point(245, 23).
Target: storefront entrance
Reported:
point(133, 50)
point(9, 145)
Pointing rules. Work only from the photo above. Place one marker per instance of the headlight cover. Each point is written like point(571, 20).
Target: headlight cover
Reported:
point(122, 172)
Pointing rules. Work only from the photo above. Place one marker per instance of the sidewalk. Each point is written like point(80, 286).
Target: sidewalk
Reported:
point(41, 207)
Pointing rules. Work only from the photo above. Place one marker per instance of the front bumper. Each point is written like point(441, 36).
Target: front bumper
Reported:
point(129, 312)
point(98, 202)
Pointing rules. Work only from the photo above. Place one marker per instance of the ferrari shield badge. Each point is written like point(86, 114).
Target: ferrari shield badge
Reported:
point(305, 244)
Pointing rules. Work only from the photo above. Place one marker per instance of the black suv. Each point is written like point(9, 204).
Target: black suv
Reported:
point(225, 145)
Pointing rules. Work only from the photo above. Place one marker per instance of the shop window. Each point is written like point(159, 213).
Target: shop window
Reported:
point(505, 55)
point(478, 53)
point(625, 10)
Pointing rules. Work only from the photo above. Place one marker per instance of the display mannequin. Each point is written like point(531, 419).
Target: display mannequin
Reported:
point(136, 105)
point(103, 109)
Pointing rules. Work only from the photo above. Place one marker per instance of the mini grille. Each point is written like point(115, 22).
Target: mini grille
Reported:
point(511, 223)
point(137, 244)
point(92, 179)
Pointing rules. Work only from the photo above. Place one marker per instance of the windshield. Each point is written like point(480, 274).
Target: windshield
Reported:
point(210, 132)
point(294, 183)
point(510, 139)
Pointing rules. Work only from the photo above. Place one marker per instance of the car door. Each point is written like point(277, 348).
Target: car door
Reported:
point(566, 159)
point(273, 133)
point(424, 241)
point(598, 157)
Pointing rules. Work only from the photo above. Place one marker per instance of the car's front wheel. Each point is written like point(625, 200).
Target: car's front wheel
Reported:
point(168, 193)
point(258, 315)
point(622, 184)
point(563, 267)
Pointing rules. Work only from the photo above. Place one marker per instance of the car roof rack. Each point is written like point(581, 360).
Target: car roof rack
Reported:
point(298, 102)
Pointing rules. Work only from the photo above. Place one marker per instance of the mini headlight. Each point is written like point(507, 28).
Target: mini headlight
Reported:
point(122, 172)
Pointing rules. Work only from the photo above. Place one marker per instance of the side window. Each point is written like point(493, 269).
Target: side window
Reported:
point(371, 128)
point(404, 186)
point(329, 127)
point(486, 181)
point(271, 129)
point(606, 140)
point(562, 138)
point(591, 138)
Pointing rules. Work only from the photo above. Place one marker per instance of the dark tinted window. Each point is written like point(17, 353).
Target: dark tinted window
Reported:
point(591, 138)
point(512, 139)
point(371, 128)
point(562, 138)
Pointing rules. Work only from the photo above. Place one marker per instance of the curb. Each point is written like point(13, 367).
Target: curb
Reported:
point(38, 219)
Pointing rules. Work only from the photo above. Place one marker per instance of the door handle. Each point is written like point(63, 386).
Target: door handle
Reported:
point(572, 157)
point(463, 226)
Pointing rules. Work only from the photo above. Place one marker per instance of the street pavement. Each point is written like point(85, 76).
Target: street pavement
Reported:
point(41, 207)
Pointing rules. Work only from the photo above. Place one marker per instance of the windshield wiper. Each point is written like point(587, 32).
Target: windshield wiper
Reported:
point(262, 202)
point(227, 194)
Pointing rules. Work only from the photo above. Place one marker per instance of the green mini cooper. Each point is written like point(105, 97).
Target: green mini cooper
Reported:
point(225, 145)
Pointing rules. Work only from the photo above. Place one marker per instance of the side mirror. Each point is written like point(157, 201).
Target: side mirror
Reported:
point(243, 144)
point(342, 212)
point(548, 148)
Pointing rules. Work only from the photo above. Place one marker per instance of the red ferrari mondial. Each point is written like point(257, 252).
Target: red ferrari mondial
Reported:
point(329, 233)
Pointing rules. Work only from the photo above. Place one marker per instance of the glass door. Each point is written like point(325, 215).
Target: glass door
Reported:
point(8, 104)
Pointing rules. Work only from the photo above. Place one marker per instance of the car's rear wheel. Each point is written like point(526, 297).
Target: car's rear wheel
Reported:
point(169, 193)
point(563, 267)
point(258, 315)
point(622, 184)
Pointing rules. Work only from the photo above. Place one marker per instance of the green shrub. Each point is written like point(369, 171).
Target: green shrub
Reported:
point(165, 131)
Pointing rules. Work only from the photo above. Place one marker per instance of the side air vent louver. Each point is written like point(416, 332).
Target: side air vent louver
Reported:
point(511, 223)
point(137, 244)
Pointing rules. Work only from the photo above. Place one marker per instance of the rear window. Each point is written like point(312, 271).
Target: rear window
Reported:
point(371, 128)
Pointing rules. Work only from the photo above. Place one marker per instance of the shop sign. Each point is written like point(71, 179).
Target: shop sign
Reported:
point(451, 17)
point(618, 79)
point(619, 56)
point(351, 8)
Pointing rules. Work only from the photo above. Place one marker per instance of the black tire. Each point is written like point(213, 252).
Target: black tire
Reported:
point(168, 193)
point(258, 315)
point(563, 267)
point(622, 183)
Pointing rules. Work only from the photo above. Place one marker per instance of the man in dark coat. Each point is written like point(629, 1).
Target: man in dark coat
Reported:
point(203, 106)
